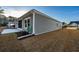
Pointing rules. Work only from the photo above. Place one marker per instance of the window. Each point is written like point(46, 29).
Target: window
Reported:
point(25, 23)
point(20, 24)
point(28, 22)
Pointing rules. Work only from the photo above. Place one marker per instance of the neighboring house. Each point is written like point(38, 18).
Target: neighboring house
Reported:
point(35, 22)
point(12, 21)
point(3, 19)
point(73, 25)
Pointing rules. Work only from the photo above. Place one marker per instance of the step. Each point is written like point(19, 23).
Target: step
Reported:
point(21, 37)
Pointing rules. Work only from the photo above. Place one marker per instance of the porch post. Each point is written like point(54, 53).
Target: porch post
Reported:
point(33, 23)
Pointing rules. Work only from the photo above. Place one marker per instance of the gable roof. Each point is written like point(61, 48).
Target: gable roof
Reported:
point(37, 12)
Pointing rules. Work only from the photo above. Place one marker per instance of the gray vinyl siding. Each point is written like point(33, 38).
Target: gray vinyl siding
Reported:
point(44, 24)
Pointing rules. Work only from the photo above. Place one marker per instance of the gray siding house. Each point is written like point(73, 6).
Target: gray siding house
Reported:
point(35, 22)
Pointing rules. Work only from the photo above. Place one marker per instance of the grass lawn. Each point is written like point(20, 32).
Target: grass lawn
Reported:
point(56, 41)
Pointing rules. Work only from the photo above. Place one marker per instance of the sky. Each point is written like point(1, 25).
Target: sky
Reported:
point(60, 13)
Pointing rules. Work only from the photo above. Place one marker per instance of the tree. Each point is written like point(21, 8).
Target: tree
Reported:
point(1, 10)
point(3, 19)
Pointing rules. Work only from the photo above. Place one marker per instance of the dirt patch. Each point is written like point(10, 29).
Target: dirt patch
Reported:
point(57, 41)
point(8, 37)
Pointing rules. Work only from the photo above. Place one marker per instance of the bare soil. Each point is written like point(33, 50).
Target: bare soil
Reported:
point(64, 40)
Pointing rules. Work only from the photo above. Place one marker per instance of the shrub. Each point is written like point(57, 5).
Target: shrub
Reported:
point(4, 24)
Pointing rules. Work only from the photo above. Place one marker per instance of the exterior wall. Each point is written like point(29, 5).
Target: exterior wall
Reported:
point(31, 22)
point(44, 24)
point(41, 24)
point(23, 21)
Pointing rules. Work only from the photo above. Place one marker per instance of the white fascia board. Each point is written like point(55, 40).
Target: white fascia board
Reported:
point(38, 12)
